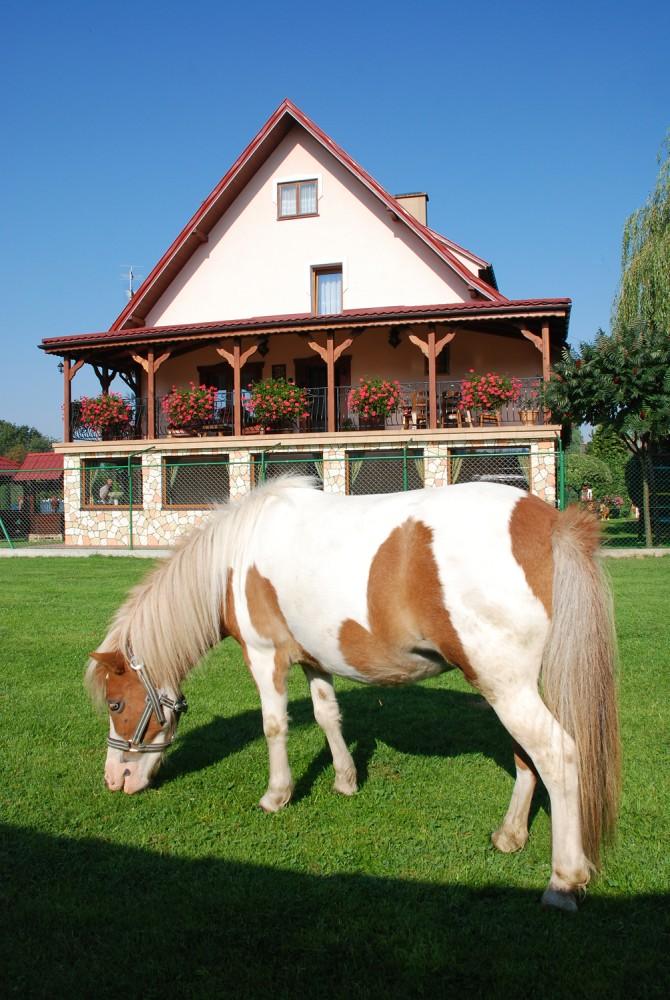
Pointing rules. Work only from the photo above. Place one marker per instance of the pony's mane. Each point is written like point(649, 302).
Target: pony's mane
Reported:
point(175, 615)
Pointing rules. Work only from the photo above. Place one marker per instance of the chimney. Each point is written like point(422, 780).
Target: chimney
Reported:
point(416, 204)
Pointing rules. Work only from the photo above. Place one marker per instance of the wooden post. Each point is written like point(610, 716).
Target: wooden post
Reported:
point(330, 354)
point(431, 350)
point(69, 372)
point(432, 381)
point(67, 401)
point(237, 360)
point(546, 353)
point(151, 395)
point(150, 366)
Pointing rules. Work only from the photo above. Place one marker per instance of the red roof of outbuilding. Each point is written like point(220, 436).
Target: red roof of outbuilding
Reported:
point(40, 465)
point(6, 464)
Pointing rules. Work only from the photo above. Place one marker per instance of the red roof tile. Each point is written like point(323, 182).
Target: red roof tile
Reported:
point(7, 464)
point(230, 326)
point(40, 465)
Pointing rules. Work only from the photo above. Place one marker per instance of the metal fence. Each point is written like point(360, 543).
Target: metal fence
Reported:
point(141, 488)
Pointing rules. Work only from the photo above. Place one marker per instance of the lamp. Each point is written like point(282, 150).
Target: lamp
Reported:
point(263, 347)
point(394, 337)
point(61, 367)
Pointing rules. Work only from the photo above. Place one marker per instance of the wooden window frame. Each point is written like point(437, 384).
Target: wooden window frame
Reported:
point(192, 460)
point(87, 466)
point(318, 269)
point(298, 185)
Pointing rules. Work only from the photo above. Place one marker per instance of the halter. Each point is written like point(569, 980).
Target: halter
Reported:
point(155, 703)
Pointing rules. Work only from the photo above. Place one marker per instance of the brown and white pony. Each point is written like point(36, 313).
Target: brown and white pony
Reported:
point(388, 590)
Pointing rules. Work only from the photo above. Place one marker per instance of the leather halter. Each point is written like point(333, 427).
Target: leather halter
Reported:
point(155, 703)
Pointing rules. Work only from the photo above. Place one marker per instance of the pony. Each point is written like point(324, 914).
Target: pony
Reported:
point(389, 589)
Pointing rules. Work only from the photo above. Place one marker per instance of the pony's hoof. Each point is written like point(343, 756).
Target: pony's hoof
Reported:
point(508, 842)
point(275, 800)
point(345, 784)
point(560, 899)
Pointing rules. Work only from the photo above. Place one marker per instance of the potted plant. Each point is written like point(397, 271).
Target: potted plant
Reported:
point(529, 405)
point(108, 415)
point(487, 394)
point(188, 408)
point(274, 403)
point(373, 399)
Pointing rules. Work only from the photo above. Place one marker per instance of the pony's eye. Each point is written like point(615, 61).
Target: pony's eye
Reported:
point(115, 706)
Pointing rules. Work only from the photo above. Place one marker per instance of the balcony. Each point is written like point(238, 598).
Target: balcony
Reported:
point(412, 413)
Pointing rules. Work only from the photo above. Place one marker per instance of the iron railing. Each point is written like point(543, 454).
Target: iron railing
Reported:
point(412, 413)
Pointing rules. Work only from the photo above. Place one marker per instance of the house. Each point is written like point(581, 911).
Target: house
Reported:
point(299, 266)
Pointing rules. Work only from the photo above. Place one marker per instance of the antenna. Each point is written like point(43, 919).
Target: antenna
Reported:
point(130, 275)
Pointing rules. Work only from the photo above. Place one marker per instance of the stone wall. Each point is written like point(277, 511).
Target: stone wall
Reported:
point(150, 523)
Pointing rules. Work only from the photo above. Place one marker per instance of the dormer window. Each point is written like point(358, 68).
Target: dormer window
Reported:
point(296, 199)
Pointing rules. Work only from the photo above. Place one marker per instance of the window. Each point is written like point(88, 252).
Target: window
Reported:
point(387, 471)
point(195, 481)
point(297, 198)
point(298, 463)
point(105, 482)
point(327, 290)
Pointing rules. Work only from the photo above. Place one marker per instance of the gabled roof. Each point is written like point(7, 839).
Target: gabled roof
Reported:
point(40, 465)
point(213, 207)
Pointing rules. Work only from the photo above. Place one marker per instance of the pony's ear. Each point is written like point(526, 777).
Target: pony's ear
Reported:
point(113, 660)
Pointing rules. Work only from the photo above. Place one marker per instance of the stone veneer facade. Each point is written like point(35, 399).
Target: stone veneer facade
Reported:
point(152, 524)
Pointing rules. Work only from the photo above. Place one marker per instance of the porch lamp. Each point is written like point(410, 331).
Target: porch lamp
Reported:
point(394, 337)
point(61, 367)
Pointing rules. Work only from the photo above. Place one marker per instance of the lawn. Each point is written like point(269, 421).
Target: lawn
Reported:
point(188, 890)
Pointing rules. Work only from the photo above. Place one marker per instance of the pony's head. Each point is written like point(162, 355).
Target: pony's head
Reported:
point(142, 719)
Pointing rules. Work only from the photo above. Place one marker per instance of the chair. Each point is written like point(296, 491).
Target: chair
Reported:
point(450, 414)
point(420, 409)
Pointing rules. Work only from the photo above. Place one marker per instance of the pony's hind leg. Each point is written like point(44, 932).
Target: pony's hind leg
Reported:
point(513, 832)
point(327, 714)
point(274, 705)
point(552, 750)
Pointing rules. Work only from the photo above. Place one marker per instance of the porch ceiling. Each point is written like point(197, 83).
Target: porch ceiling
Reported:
point(501, 319)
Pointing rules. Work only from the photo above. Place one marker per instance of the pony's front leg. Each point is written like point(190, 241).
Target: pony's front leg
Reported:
point(274, 705)
point(327, 714)
point(513, 833)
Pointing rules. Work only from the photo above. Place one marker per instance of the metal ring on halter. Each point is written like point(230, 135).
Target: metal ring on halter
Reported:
point(155, 703)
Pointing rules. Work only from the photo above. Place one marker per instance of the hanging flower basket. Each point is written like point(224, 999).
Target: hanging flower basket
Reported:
point(188, 408)
point(485, 395)
point(373, 400)
point(275, 403)
point(108, 415)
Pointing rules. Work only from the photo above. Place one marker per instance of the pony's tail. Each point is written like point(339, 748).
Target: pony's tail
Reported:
point(579, 673)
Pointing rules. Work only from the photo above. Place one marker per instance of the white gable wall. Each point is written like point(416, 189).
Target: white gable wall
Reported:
point(255, 265)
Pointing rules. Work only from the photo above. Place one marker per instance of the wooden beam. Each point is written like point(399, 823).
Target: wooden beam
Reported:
point(202, 237)
point(318, 349)
point(330, 380)
point(160, 359)
point(421, 344)
point(342, 348)
point(533, 337)
point(75, 368)
point(141, 361)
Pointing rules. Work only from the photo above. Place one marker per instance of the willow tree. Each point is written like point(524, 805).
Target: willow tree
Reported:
point(643, 299)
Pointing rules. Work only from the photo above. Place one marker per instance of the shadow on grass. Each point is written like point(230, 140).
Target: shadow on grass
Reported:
point(85, 918)
point(414, 720)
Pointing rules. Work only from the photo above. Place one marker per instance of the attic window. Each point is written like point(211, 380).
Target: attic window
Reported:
point(297, 198)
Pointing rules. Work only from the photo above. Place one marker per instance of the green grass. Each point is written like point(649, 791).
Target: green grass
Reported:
point(189, 890)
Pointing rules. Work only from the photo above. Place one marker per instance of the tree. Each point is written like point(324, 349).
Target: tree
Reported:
point(621, 381)
point(644, 294)
point(606, 445)
point(16, 441)
point(587, 470)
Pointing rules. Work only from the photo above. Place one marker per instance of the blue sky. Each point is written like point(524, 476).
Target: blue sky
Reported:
point(534, 127)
